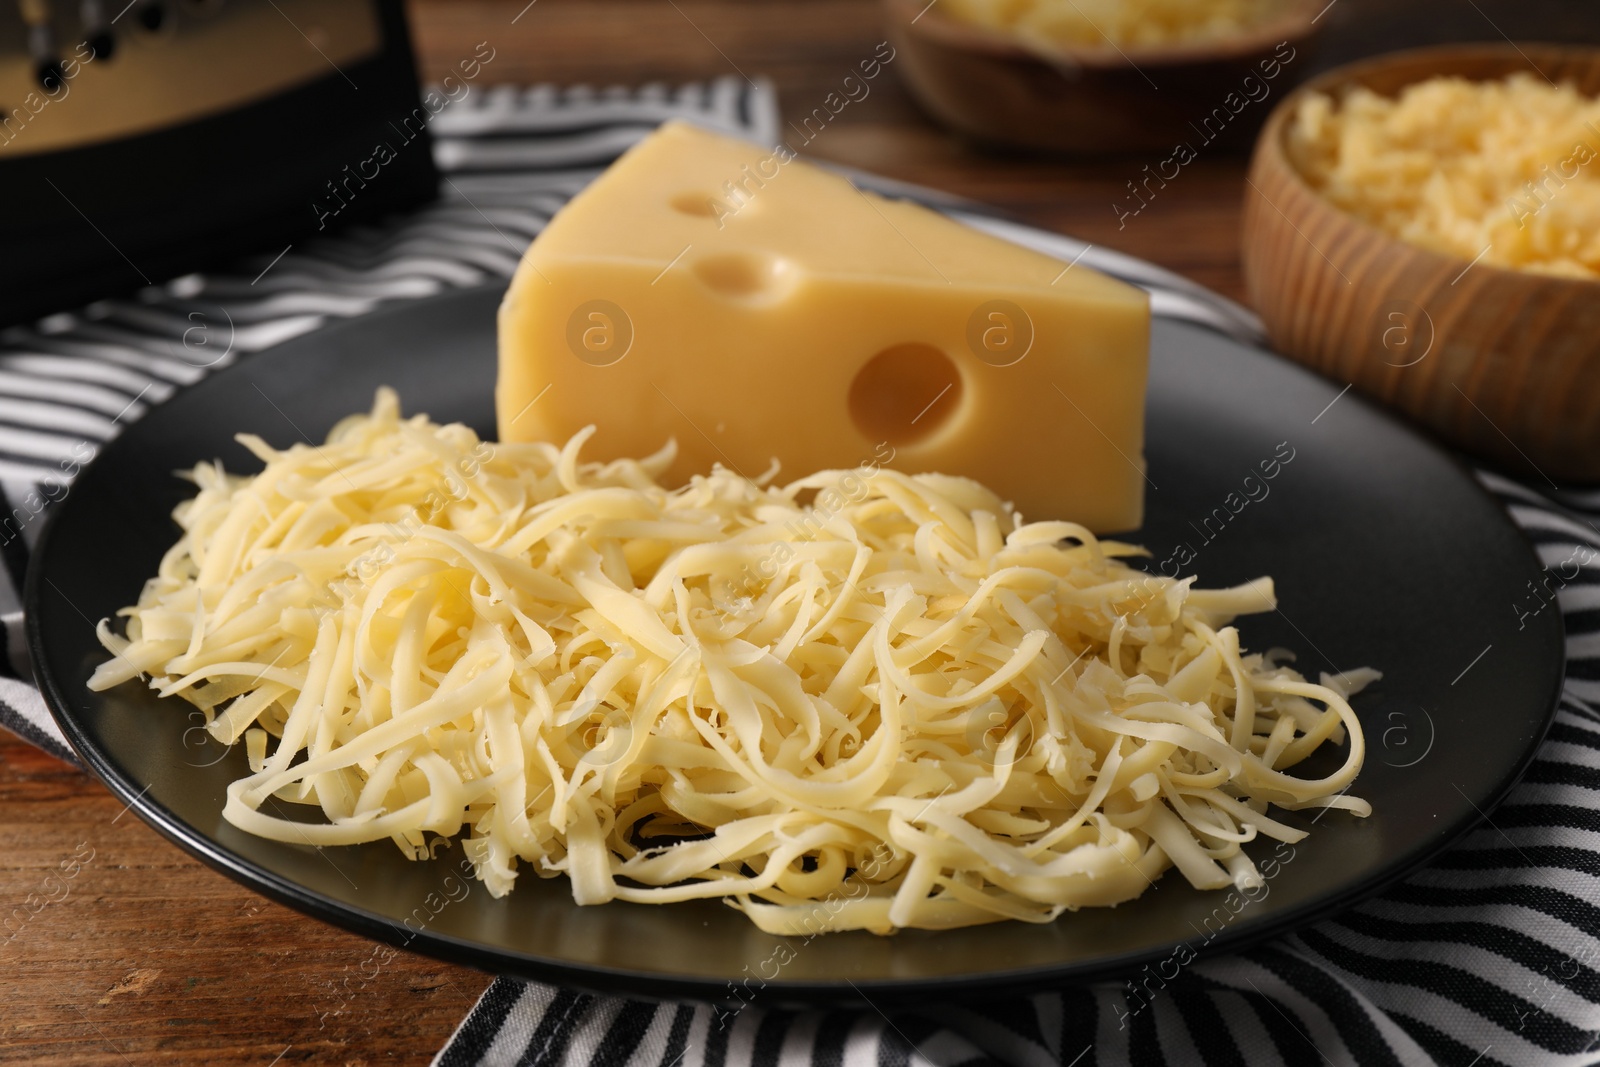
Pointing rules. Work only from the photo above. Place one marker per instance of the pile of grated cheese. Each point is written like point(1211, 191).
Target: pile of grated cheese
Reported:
point(1508, 170)
point(862, 700)
point(1115, 23)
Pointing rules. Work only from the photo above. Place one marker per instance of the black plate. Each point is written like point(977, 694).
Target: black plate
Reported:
point(1385, 551)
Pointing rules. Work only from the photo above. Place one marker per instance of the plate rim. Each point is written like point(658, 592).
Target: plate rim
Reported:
point(654, 985)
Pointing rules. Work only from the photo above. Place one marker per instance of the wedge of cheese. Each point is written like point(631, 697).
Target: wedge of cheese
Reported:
point(754, 307)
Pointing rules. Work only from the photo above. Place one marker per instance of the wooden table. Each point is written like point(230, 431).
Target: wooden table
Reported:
point(145, 956)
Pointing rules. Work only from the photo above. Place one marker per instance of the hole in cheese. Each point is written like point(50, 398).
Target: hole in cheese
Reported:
point(741, 274)
point(905, 394)
point(703, 205)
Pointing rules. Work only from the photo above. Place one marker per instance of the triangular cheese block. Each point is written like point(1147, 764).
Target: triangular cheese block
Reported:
point(753, 306)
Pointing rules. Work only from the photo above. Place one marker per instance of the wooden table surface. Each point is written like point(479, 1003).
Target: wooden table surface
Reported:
point(129, 952)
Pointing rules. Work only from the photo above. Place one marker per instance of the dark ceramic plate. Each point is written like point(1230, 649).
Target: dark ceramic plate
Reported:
point(1385, 551)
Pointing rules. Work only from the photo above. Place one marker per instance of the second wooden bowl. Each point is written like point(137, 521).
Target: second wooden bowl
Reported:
point(1502, 363)
point(999, 90)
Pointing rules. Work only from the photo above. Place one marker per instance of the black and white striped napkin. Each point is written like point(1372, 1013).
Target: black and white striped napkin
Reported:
point(1489, 956)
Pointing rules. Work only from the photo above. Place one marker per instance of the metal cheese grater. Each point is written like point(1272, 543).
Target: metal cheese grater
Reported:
point(141, 140)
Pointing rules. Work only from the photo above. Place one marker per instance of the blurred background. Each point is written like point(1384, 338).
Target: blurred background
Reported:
point(806, 46)
point(201, 188)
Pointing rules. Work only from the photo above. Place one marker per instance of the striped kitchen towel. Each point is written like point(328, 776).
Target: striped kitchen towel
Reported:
point(1489, 956)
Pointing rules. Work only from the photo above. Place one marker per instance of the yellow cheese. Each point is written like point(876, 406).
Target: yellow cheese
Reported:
point(754, 307)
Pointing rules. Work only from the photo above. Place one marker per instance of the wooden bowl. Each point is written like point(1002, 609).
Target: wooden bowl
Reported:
point(1504, 364)
point(1001, 91)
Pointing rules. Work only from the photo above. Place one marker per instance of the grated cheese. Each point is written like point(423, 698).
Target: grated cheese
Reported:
point(1113, 23)
point(1500, 172)
point(862, 700)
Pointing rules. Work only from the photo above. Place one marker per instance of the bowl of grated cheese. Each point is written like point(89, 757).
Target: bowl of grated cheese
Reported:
point(1090, 77)
point(1426, 227)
